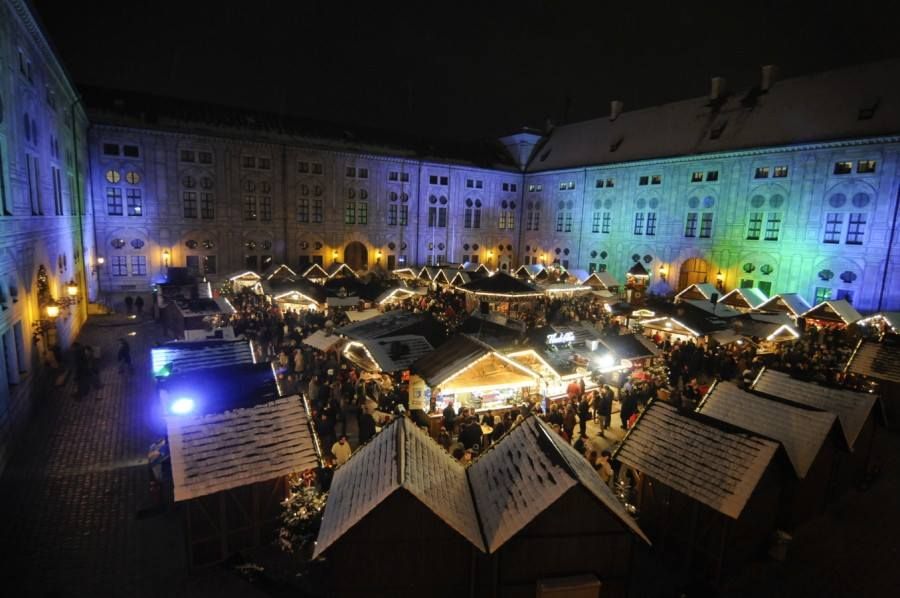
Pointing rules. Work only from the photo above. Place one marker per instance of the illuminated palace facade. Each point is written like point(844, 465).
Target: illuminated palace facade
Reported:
point(789, 186)
point(44, 220)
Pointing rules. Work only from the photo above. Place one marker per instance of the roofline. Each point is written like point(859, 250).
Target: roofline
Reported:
point(756, 151)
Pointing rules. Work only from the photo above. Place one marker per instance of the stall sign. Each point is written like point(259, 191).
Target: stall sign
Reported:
point(559, 338)
point(418, 398)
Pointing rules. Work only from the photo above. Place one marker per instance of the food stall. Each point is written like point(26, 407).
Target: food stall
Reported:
point(246, 280)
point(282, 272)
point(501, 293)
point(472, 374)
point(397, 294)
point(340, 270)
point(315, 274)
point(637, 279)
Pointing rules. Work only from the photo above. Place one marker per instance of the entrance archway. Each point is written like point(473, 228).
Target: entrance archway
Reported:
point(356, 256)
point(693, 271)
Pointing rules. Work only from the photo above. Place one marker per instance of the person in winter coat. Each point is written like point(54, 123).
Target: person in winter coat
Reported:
point(341, 450)
point(584, 414)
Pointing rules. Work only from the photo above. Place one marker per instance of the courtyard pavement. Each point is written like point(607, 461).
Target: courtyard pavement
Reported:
point(71, 493)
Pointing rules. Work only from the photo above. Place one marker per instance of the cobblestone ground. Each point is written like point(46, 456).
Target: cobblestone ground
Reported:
point(70, 495)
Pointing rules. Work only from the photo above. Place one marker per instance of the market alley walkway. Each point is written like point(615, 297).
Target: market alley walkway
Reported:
point(72, 491)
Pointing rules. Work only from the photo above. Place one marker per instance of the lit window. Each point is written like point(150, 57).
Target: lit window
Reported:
point(865, 166)
point(843, 167)
point(697, 177)
point(139, 265)
point(114, 205)
point(113, 176)
point(762, 173)
point(656, 179)
point(780, 172)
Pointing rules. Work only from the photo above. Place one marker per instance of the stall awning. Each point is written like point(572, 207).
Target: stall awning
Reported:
point(322, 341)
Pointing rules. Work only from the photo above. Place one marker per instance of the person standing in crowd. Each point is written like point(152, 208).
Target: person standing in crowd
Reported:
point(449, 417)
point(628, 408)
point(139, 305)
point(341, 450)
point(584, 414)
point(569, 422)
point(124, 357)
point(129, 303)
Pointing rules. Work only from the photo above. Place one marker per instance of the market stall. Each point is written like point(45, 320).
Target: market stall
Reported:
point(637, 279)
point(702, 290)
point(396, 294)
point(786, 303)
point(744, 299)
point(473, 375)
point(532, 272)
point(340, 270)
point(885, 321)
point(388, 354)
point(500, 292)
point(404, 273)
point(315, 274)
point(832, 314)
point(245, 280)
point(282, 272)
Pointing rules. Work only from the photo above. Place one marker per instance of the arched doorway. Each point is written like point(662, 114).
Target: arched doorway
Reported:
point(693, 271)
point(356, 256)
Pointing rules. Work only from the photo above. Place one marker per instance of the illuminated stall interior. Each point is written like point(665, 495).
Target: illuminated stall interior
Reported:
point(832, 314)
point(501, 293)
point(315, 273)
point(246, 280)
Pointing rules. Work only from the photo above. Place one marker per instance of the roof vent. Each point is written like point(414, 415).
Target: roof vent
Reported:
point(768, 76)
point(615, 109)
point(717, 88)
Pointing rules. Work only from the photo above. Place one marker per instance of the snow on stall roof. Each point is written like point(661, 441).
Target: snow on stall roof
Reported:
point(180, 357)
point(834, 309)
point(525, 473)
point(803, 109)
point(400, 456)
point(216, 452)
point(801, 432)
point(876, 360)
point(716, 467)
point(852, 408)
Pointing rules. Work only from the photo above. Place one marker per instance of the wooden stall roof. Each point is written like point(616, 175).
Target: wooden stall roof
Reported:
point(718, 310)
point(450, 358)
point(389, 323)
point(338, 269)
point(876, 360)
point(179, 357)
point(460, 278)
point(501, 284)
point(527, 471)
point(400, 456)
point(246, 275)
point(852, 408)
point(220, 451)
point(389, 353)
point(838, 310)
point(639, 270)
point(801, 432)
point(791, 303)
point(714, 466)
point(530, 271)
point(630, 346)
point(892, 318)
point(700, 290)
point(321, 340)
point(315, 271)
point(281, 271)
point(744, 297)
point(605, 278)
point(475, 267)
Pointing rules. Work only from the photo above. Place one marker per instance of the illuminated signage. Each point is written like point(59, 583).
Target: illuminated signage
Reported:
point(559, 338)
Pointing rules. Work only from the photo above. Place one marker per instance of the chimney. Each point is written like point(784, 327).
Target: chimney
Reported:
point(615, 109)
point(717, 89)
point(768, 77)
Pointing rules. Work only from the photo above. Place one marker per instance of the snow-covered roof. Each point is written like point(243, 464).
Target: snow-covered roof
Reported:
point(700, 290)
point(836, 310)
point(216, 452)
point(524, 474)
point(400, 456)
point(388, 354)
point(179, 357)
point(322, 340)
point(801, 432)
point(747, 298)
point(713, 466)
point(852, 408)
point(791, 303)
point(876, 360)
point(797, 110)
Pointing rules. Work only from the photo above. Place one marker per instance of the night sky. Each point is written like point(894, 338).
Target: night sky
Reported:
point(451, 71)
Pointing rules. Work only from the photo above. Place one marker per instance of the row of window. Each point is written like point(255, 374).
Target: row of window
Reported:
point(123, 150)
point(304, 167)
point(711, 176)
point(779, 172)
point(119, 265)
point(862, 167)
point(198, 156)
point(257, 162)
point(352, 172)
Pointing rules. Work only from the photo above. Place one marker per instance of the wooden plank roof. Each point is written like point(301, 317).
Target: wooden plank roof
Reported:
point(400, 456)
point(220, 451)
point(876, 360)
point(179, 357)
point(801, 432)
point(714, 466)
point(838, 310)
point(852, 408)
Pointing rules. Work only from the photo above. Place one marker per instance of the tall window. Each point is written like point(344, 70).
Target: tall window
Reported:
point(139, 265)
point(350, 212)
point(404, 215)
point(135, 202)
point(318, 211)
point(362, 210)
point(606, 223)
point(190, 204)
point(638, 223)
point(249, 207)
point(596, 222)
point(754, 228)
point(209, 264)
point(651, 224)
point(207, 206)
point(114, 201)
point(437, 217)
point(533, 216)
point(472, 214)
point(856, 228)
point(773, 226)
point(34, 185)
point(833, 222)
point(706, 223)
point(690, 225)
point(119, 265)
point(822, 294)
point(303, 210)
point(57, 191)
point(265, 208)
point(3, 204)
point(392, 215)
